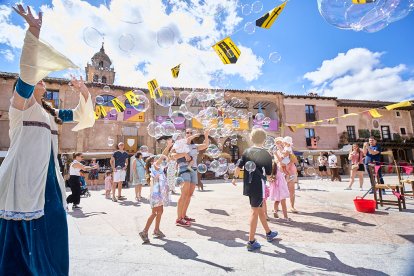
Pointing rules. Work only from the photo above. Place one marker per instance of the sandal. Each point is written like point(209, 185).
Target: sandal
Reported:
point(275, 215)
point(158, 235)
point(144, 237)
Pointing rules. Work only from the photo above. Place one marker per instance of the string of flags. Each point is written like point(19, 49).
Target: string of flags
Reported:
point(375, 113)
point(118, 105)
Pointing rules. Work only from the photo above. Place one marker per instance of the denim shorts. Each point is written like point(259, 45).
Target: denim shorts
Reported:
point(188, 176)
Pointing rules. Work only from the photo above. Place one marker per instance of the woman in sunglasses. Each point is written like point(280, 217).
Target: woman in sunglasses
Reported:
point(190, 177)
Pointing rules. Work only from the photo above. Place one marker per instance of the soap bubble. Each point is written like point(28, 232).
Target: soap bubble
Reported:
point(126, 43)
point(246, 9)
point(231, 168)
point(266, 120)
point(214, 166)
point(113, 112)
point(129, 12)
point(168, 128)
point(250, 166)
point(369, 17)
point(165, 37)
point(213, 151)
point(106, 89)
point(202, 168)
point(183, 95)
point(275, 57)
point(257, 6)
point(177, 117)
point(183, 108)
point(259, 117)
point(250, 27)
point(110, 141)
point(188, 115)
point(269, 142)
point(143, 104)
point(92, 37)
point(151, 128)
point(226, 177)
point(99, 100)
point(167, 98)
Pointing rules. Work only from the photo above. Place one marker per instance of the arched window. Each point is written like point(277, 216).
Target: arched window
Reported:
point(101, 64)
point(107, 100)
point(95, 78)
point(103, 79)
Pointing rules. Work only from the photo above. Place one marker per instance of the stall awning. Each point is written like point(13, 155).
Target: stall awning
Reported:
point(97, 155)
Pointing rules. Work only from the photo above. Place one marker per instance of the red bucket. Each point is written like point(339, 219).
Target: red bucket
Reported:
point(364, 205)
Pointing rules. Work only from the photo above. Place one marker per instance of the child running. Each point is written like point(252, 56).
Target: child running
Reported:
point(108, 184)
point(159, 193)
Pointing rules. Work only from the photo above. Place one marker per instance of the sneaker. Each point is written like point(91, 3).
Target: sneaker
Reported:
point(189, 219)
point(144, 237)
point(158, 235)
point(182, 223)
point(271, 236)
point(253, 246)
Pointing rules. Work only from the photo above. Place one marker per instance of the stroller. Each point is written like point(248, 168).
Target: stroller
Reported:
point(84, 189)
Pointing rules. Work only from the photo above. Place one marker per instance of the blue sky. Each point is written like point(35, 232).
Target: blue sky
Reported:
point(300, 35)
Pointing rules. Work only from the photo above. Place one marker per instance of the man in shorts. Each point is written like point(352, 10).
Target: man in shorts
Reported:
point(119, 164)
point(253, 185)
point(322, 160)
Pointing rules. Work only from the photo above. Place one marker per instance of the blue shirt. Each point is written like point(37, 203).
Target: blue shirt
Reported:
point(373, 158)
point(120, 158)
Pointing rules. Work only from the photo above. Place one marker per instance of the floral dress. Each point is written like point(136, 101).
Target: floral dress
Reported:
point(160, 192)
point(171, 174)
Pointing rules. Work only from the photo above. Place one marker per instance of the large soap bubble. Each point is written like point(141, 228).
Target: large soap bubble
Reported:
point(369, 17)
point(167, 98)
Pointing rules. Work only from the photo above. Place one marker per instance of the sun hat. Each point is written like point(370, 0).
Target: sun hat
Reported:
point(288, 140)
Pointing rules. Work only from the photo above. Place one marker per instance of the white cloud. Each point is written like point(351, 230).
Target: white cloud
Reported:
point(195, 27)
point(11, 35)
point(357, 74)
point(7, 54)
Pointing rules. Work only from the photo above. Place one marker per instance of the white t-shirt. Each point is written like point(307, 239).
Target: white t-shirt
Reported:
point(332, 160)
point(72, 170)
point(322, 161)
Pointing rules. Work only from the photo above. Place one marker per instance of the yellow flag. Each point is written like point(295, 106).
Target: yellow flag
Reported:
point(292, 128)
point(152, 86)
point(227, 51)
point(398, 105)
point(300, 125)
point(349, 115)
point(132, 98)
point(317, 122)
point(374, 113)
point(267, 20)
point(362, 1)
point(175, 71)
point(119, 106)
point(100, 112)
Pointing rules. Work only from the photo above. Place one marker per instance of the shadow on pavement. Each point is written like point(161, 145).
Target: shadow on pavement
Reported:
point(306, 226)
point(331, 264)
point(129, 203)
point(409, 238)
point(218, 212)
point(81, 214)
point(336, 217)
point(220, 235)
point(185, 252)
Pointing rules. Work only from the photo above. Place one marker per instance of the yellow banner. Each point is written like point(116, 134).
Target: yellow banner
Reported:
point(152, 86)
point(236, 124)
point(119, 106)
point(101, 111)
point(349, 115)
point(175, 71)
point(132, 98)
point(227, 51)
point(398, 105)
point(374, 113)
point(362, 1)
point(267, 20)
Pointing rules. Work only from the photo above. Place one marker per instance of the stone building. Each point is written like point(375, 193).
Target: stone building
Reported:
point(395, 127)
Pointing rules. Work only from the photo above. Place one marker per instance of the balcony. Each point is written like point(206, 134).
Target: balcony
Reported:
point(364, 134)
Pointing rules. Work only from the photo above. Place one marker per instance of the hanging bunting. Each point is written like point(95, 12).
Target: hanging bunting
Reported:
point(300, 126)
point(132, 98)
point(349, 115)
point(267, 20)
point(374, 113)
point(398, 105)
point(292, 128)
point(227, 51)
point(175, 71)
point(316, 122)
point(331, 120)
point(152, 86)
point(119, 106)
point(100, 112)
point(362, 1)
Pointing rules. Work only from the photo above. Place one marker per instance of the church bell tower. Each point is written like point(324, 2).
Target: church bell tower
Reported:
point(100, 70)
